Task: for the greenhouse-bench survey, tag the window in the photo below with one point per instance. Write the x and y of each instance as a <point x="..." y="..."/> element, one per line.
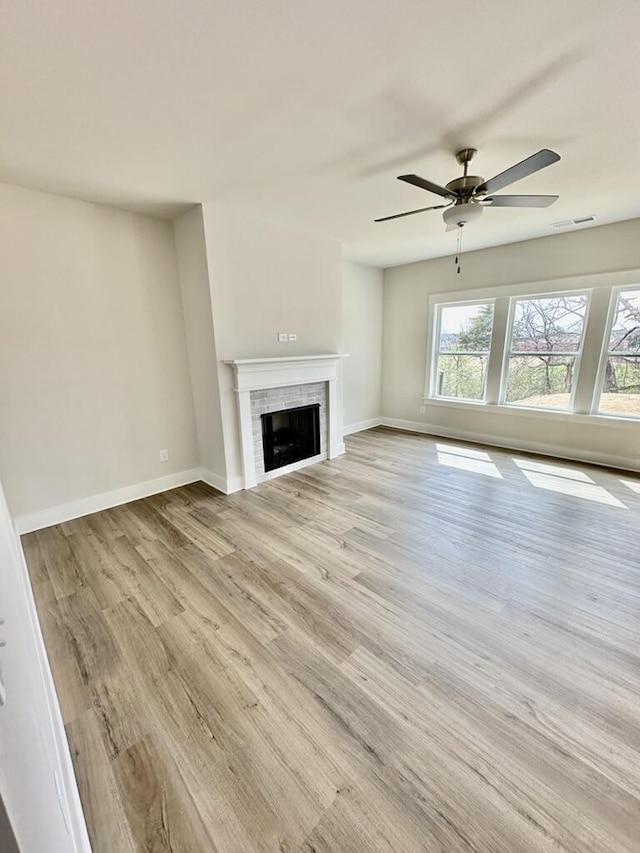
<point x="620" y="388"/>
<point x="517" y="349"/>
<point x="544" y="348"/>
<point x="463" y="339"/>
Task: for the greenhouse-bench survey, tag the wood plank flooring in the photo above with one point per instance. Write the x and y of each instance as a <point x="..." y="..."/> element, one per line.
<point x="420" y="646"/>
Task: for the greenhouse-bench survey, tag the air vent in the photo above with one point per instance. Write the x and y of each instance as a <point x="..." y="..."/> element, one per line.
<point x="567" y="223"/>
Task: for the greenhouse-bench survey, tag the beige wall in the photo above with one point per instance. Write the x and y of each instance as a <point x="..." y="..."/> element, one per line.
<point x="266" y="278"/>
<point x="407" y="289"/>
<point x="96" y="372"/>
<point x="362" y="302"/>
<point x="191" y="254"/>
<point x="94" y="376"/>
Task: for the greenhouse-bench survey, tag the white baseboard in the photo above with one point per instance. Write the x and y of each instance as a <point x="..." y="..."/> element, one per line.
<point x="106" y="500"/>
<point x="96" y="503"/>
<point x="234" y="484"/>
<point x="544" y="449"/>
<point x="222" y="484"/>
<point x="361" y="425"/>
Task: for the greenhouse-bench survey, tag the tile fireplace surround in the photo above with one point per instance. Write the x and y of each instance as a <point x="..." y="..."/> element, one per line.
<point x="286" y="380"/>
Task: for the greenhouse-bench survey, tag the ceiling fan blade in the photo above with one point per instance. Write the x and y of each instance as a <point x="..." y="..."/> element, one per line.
<point x="532" y="164"/>
<point x="519" y="200"/>
<point x="410" y="212"/>
<point x="417" y="181"/>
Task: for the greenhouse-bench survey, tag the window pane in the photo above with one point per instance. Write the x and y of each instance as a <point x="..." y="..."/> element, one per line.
<point x="461" y="376"/>
<point x="621" y="387"/>
<point x="541" y="380"/>
<point x="625" y="331"/>
<point x="466" y="328"/>
<point x="550" y="324"/>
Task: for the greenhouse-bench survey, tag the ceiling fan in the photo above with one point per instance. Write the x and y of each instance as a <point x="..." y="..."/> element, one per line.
<point x="469" y="194"/>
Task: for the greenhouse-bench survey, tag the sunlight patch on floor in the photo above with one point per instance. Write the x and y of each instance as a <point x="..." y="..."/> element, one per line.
<point x="468" y="463"/>
<point x="458" y="450"/>
<point x="554" y="470"/>
<point x="562" y="479"/>
<point x="573" y="487"/>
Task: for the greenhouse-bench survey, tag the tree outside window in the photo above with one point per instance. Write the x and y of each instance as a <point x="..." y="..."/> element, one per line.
<point x="621" y="378"/>
<point x="463" y="342"/>
<point x="546" y="338"/>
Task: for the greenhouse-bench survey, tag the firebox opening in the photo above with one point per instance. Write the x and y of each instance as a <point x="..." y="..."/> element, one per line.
<point x="290" y="435"/>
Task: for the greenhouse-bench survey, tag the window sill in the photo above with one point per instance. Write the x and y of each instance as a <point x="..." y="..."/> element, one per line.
<point x="529" y="412"/>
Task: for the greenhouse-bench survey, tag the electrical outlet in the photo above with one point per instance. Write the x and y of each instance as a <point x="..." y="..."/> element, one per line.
<point x="293" y="337"/>
<point x="164" y="455"/>
<point x="282" y="337"/>
<point x="422" y="410"/>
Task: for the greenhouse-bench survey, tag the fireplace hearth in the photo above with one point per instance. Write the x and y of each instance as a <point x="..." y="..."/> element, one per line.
<point x="290" y="435"/>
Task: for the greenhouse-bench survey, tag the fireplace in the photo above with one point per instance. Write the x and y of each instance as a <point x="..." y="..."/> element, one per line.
<point x="269" y="385"/>
<point x="290" y="435"/>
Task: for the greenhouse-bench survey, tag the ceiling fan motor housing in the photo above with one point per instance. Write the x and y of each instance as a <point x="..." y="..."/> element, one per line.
<point x="465" y="185"/>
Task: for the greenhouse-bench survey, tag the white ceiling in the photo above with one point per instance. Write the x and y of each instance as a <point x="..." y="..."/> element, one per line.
<point x="305" y="111"/>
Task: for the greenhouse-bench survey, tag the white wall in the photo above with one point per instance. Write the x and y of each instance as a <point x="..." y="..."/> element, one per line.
<point x="266" y="278"/>
<point x="191" y="254"/>
<point x="407" y="289"/>
<point x="362" y="303"/>
<point x="94" y="375"/>
<point x="37" y="784"/>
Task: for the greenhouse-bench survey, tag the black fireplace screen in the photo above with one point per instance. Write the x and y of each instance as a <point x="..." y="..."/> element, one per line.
<point x="290" y="435"/>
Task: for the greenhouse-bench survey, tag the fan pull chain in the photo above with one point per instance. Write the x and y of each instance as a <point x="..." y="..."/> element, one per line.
<point x="458" y="248"/>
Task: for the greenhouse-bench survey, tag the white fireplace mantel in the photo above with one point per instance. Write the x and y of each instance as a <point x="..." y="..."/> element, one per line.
<point x="255" y="374"/>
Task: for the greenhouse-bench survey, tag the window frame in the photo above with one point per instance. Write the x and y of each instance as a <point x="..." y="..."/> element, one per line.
<point x="606" y="352"/>
<point x="508" y="353"/>
<point x="435" y="353"/>
<point x="600" y="284"/>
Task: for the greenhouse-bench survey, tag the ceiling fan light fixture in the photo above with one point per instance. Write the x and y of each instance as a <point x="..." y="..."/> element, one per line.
<point x="462" y="214"/>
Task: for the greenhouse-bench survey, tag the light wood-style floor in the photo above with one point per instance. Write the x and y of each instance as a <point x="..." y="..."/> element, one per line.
<point x="420" y="646"/>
